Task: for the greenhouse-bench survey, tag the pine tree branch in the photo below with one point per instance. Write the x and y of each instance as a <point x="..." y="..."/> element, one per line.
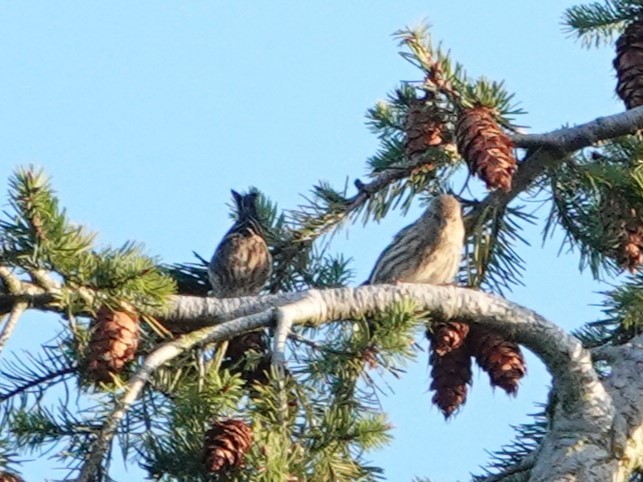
<point x="550" y="149"/>
<point x="570" y="139"/>
<point x="320" y="306"/>
<point x="154" y="360"/>
<point x="617" y="454"/>
<point x="45" y="378"/>
<point x="581" y="393"/>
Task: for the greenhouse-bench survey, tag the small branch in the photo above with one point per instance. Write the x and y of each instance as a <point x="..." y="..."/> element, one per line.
<point x="154" y="360"/>
<point x="317" y="346"/>
<point x="287" y="315"/>
<point x="290" y="248"/>
<point x="39" y="300"/>
<point x="10" y="324"/>
<point x="584" y="135"/>
<point x="37" y="381"/>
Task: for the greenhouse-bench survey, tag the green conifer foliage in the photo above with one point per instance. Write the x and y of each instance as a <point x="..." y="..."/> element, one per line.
<point x="316" y="417"/>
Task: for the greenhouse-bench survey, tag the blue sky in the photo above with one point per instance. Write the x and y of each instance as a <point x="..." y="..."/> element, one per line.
<point x="147" y="113"/>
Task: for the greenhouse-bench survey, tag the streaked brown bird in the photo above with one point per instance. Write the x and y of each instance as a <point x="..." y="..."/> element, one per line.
<point x="241" y="264"/>
<point x="427" y="251"/>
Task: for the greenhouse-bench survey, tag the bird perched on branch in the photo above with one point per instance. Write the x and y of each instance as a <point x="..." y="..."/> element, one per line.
<point x="241" y="264"/>
<point x="427" y="251"/>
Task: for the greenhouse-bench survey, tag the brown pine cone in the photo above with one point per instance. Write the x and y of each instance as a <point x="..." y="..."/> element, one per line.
<point x="241" y="264"/>
<point x="10" y="477"/>
<point x="618" y="220"/>
<point x="451" y="373"/>
<point x="226" y="444"/>
<point x="113" y="343"/>
<point x="500" y="358"/>
<point x="631" y="249"/>
<point x="629" y="65"/>
<point x="424" y="128"/>
<point x="427" y="251"/>
<point x="487" y="150"/>
<point x="236" y="361"/>
<point x="238" y="346"/>
<point x="446" y="336"/>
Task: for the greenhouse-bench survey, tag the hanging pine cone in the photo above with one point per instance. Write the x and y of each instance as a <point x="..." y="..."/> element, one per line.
<point x="451" y="373"/>
<point x="618" y="221"/>
<point x="487" y="150"/>
<point x="239" y="347"/>
<point x="629" y="65"/>
<point x="112" y="345"/>
<point x="424" y="128"/>
<point x="446" y="336"/>
<point x="9" y="477"/>
<point x="226" y="444"/>
<point x="631" y="248"/>
<point x="500" y="358"/>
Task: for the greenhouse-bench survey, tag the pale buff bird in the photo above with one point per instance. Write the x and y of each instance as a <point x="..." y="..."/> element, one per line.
<point x="241" y="264"/>
<point x="427" y="251"/>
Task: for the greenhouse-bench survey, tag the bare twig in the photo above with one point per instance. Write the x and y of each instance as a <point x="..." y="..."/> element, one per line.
<point x="317" y="346"/>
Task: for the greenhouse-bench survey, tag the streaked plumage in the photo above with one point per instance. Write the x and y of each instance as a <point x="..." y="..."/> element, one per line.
<point x="241" y="264"/>
<point x="427" y="251"/>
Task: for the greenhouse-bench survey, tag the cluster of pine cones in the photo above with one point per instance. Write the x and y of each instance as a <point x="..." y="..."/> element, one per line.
<point x="452" y="346"/>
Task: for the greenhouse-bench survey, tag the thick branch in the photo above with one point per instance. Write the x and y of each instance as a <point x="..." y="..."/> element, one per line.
<point x="585" y="408"/>
<point x="584" y="135"/>
<point x="564" y="356"/>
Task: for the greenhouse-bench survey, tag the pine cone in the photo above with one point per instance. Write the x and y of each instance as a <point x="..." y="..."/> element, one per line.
<point x="487" y="150"/>
<point x="241" y="264"/>
<point x="622" y="222"/>
<point x="451" y="374"/>
<point x="235" y="357"/>
<point x="424" y="128"/>
<point x="500" y="358"/>
<point x="239" y="345"/>
<point x="631" y="249"/>
<point x="9" y="477"/>
<point x="112" y="345"/>
<point x="427" y="251"/>
<point x="226" y="444"/>
<point x="629" y="65"/>
<point x="446" y="336"/>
